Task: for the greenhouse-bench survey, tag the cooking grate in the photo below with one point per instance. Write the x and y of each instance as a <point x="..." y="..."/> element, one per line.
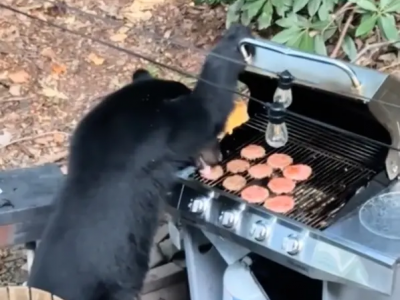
<point x="340" y="166"/>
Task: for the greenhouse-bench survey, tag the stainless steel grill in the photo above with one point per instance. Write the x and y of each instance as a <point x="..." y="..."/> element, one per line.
<point x="322" y="237"/>
<point x="340" y="166"/>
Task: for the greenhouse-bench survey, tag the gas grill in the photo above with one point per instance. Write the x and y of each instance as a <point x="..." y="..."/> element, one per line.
<point x="344" y="123"/>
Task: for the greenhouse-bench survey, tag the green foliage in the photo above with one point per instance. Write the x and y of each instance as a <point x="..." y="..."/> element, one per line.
<point x="310" y="24"/>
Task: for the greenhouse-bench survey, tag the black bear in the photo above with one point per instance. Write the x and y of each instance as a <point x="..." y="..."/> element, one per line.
<point x="123" y="157"/>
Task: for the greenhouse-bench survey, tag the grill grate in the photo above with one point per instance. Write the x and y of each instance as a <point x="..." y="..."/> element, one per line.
<point x="340" y="166"/>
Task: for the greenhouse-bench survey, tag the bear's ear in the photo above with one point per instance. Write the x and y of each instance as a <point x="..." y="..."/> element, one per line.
<point x="141" y="74"/>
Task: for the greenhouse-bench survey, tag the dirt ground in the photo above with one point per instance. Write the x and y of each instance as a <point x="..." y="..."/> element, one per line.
<point x="49" y="78"/>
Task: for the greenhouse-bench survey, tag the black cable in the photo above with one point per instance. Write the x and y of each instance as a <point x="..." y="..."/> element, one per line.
<point x="136" y="54"/>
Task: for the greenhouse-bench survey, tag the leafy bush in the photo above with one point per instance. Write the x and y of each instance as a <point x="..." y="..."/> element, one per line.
<point x="309" y="24"/>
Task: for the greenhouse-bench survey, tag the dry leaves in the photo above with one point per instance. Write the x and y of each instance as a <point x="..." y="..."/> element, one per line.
<point x="59" y="138"/>
<point x="53" y="93"/>
<point x="95" y="59"/>
<point x="140" y="10"/>
<point x="19" y="76"/>
<point x="119" y="37"/>
<point x="15" y="90"/>
<point x="5" y="137"/>
<point x="44" y="140"/>
<point x="48" y="52"/>
<point x="58" y="69"/>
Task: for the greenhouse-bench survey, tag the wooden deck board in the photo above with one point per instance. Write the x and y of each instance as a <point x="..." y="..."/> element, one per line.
<point x="24" y="293"/>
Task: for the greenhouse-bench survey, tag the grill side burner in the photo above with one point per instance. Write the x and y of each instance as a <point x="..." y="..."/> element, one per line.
<point x="340" y="166"/>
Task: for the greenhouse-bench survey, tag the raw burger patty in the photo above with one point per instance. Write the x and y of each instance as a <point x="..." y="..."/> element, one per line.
<point x="212" y="173"/>
<point x="234" y="183"/>
<point x="297" y="172"/>
<point x="254" y="194"/>
<point x="260" y="171"/>
<point x="252" y="152"/>
<point x="279" y="161"/>
<point x="280" y="204"/>
<point x="237" y="166"/>
<point x="281" y="185"/>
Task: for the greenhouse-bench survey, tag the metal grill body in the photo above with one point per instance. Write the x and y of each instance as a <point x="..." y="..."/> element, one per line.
<point x="348" y="137"/>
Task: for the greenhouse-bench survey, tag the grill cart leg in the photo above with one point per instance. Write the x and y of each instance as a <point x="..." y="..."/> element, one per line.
<point x="30" y="249"/>
<point x="222" y="272"/>
<point x="30" y="254"/>
<point x="205" y="271"/>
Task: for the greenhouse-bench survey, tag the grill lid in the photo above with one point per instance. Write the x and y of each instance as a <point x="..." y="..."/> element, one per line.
<point x="378" y="90"/>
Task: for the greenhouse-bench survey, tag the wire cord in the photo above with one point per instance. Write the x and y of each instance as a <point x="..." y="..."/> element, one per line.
<point x="174" y="69"/>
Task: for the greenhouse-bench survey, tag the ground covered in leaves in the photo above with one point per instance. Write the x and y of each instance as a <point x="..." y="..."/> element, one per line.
<point x="50" y="77"/>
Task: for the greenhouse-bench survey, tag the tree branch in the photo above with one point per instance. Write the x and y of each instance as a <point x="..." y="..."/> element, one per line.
<point x="343" y="34"/>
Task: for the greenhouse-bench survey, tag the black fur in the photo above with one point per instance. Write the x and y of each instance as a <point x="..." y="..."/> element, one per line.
<point x="123" y="157"/>
<point x="210" y="154"/>
<point x="141" y="74"/>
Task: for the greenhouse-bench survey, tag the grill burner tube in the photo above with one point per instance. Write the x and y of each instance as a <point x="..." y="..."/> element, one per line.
<point x="341" y="165"/>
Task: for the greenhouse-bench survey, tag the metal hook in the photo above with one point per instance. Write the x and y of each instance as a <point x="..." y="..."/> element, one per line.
<point x="247" y="56"/>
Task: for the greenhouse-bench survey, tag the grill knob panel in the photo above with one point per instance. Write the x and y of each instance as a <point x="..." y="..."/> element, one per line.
<point x="259" y="231"/>
<point x="228" y="219"/>
<point x="291" y="244"/>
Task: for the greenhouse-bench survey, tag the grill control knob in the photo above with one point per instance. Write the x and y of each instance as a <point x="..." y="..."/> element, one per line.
<point x="197" y="205"/>
<point x="291" y="244"/>
<point x="259" y="231"/>
<point x="228" y="219"/>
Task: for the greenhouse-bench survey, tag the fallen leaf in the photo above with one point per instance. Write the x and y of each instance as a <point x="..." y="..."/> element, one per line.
<point x="15" y="90"/>
<point x="58" y="69"/>
<point x="48" y="52"/>
<point x="387" y="57"/>
<point x="53" y="93"/>
<point x="124" y="29"/>
<point x="59" y="138"/>
<point x="167" y="34"/>
<point x="70" y="20"/>
<point x="119" y="37"/>
<point x="43" y="140"/>
<point x="94" y="58"/>
<point x="5" y="137"/>
<point x="19" y="76"/>
<point x="3" y="75"/>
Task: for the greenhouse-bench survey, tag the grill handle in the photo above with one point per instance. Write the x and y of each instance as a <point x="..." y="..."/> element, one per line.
<point x="284" y="50"/>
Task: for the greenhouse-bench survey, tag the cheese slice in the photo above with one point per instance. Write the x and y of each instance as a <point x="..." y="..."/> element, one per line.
<point x="237" y="117"/>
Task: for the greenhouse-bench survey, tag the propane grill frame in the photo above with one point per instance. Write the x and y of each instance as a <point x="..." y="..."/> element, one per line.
<point x="345" y="252"/>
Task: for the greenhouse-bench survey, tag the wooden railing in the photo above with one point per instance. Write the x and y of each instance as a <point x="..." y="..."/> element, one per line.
<point x="25" y="293"/>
